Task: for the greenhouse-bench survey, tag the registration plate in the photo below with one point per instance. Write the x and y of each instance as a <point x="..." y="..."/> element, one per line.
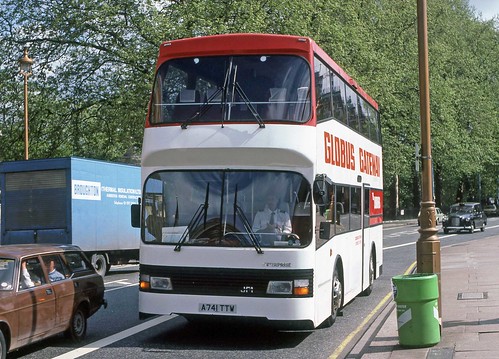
<point x="217" y="308"/>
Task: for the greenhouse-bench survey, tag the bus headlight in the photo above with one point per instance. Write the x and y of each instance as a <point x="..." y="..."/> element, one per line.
<point x="298" y="287"/>
<point x="159" y="283"/>
<point x="280" y="287"/>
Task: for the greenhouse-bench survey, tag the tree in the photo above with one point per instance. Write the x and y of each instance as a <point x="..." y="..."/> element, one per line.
<point x="94" y="66"/>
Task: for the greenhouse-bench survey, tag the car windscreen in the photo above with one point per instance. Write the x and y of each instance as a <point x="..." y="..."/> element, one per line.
<point x="461" y="209"/>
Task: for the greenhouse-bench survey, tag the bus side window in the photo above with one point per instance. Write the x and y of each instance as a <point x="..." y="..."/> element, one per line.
<point x="339" y="94"/>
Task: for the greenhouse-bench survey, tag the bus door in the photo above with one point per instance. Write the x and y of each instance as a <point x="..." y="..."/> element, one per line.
<point x="366" y="240"/>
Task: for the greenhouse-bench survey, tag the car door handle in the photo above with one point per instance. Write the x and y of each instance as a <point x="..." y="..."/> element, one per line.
<point x="49" y="291"/>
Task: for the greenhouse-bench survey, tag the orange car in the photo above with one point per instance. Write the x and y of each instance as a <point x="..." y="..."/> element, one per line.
<point x="45" y="290"/>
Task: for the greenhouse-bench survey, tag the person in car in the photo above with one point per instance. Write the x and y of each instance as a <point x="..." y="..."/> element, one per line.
<point x="54" y="275"/>
<point x="25" y="281"/>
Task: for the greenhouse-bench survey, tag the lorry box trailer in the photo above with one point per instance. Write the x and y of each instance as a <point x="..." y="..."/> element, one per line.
<point x="72" y="200"/>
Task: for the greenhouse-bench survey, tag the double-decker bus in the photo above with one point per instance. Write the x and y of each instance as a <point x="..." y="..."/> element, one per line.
<point x="262" y="183"/>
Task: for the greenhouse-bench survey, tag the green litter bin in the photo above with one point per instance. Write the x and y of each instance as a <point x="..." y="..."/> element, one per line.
<point x="418" y="321"/>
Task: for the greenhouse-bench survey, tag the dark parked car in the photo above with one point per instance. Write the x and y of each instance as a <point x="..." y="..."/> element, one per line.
<point x="45" y="290"/>
<point x="465" y="216"/>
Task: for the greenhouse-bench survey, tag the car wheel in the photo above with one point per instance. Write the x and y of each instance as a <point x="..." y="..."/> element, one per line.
<point x="482" y="228"/>
<point x="472" y="229"/>
<point x="3" y="346"/>
<point x="78" y="326"/>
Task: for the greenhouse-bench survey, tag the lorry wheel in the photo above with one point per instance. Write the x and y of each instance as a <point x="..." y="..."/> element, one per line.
<point x="100" y="264"/>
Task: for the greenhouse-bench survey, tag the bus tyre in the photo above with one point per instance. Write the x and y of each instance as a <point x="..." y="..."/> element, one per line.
<point x="369" y="289"/>
<point x="100" y="264"/>
<point x="3" y="346"/>
<point x="78" y="325"/>
<point x="336" y="300"/>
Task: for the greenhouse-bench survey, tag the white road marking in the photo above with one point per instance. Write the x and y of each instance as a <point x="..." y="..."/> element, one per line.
<point x="114" y="338"/>
<point x="411" y="243"/>
<point x="125" y="286"/>
<point x="119" y="281"/>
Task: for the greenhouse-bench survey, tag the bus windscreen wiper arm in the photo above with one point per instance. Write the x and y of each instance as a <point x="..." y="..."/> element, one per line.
<point x="204" y="108"/>
<point x="246" y="224"/>
<point x="248" y="229"/>
<point x="201" y="211"/>
<point x="248" y="103"/>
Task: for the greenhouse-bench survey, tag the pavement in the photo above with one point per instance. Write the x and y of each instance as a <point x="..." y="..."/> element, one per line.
<point x="469" y="310"/>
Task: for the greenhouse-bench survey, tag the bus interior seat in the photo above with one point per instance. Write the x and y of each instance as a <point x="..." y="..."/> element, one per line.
<point x="187" y="95"/>
<point x="302" y="209"/>
<point x="210" y="93"/>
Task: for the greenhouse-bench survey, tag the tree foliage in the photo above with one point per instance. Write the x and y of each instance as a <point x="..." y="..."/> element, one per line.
<point x="94" y="65"/>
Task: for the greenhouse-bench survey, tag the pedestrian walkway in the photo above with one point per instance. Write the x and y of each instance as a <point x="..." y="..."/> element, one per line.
<point x="470" y="310"/>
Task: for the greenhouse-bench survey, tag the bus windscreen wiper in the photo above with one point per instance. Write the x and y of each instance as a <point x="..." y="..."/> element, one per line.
<point x="237" y="88"/>
<point x="204" y="108"/>
<point x="247" y="225"/>
<point x="248" y="103"/>
<point x="200" y="212"/>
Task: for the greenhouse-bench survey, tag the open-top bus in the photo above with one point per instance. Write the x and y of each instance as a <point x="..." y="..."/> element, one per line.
<point x="243" y="128"/>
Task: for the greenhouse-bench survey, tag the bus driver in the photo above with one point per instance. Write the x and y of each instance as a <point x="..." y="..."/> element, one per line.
<point x="272" y="219"/>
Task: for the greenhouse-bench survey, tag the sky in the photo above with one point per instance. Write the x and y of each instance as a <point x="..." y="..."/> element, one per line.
<point x="488" y="8"/>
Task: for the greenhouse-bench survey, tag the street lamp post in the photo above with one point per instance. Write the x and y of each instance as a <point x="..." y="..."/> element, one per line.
<point x="25" y="64"/>
<point x="428" y="245"/>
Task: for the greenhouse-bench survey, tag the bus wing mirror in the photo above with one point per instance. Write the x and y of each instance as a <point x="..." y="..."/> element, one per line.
<point x="320" y="191"/>
<point x="135" y="215"/>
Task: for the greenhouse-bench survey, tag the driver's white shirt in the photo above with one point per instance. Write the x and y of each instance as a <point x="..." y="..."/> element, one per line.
<point x="282" y="222"/>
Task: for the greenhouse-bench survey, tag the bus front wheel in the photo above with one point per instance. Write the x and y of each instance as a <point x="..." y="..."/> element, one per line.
<point x="336" y="299"/>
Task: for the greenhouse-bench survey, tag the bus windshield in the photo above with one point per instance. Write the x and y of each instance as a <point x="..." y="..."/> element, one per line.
<point x="232" y="88"/>
<point x="227" y="208"/>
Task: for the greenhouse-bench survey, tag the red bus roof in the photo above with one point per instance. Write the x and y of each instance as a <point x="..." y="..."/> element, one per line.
<point x="244" y="44"/>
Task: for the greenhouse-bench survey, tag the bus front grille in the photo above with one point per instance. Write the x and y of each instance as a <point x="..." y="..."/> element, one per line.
<point x="226" y="281"/>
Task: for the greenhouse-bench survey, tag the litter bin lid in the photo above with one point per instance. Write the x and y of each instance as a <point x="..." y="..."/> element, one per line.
<point x="415" y="287"/>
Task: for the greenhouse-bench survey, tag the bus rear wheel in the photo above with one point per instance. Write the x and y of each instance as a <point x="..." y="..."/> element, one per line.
<point x="369" y="289"/>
